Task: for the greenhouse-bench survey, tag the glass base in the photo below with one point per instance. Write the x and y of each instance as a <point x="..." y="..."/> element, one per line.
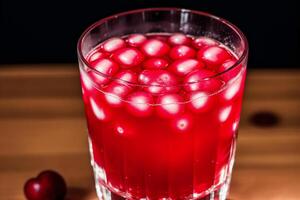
<point x="107" y="192"/>
<point x="218" y="194"/>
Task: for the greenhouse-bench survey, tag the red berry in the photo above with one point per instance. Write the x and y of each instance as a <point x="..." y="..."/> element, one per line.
<point x="136" y="40"/>
<point x="115" y="93"/>
<point x="200" y="101"/>
<point x="86" y="81"/>
<point x="155" y="48"/>
<point x="231" y="73"/>
<point x="201" y="42"/>
<point x="48" y="185"/>
<point x="128" y="57"/>
<point x="225" y="113"/>
<point x="213" y="56"/>
<point x="158" y="81"/>
<point x="234" y="87"/>
<point x="184" y="66"/>
<point x="106" y="67"/>
<point x="100" y="110"/>
<point x="126" y="77"/>
<point x="200" y="80"/>
<point x="170" y="105"/>
<point x="156" y="63"/>
<point x="113" y="44"/>
<point x="182" y="51"/>
<point x="96" y="55"/>
<point x="178" y="39"/>
<point x="139" y="104"/>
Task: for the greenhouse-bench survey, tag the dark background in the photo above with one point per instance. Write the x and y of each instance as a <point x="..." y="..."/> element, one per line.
<point x="47" y="31"/>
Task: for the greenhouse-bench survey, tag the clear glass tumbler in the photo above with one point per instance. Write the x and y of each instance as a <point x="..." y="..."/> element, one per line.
<point x="181" y="145"/>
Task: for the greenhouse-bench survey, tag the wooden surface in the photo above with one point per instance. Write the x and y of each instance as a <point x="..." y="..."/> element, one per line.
<point x="42" y="127"/>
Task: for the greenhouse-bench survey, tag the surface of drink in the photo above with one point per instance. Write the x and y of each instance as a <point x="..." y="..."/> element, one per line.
<point x="162" y="112"/>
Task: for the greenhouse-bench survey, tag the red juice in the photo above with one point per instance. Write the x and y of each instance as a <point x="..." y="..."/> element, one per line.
<point x="162" y="113"/>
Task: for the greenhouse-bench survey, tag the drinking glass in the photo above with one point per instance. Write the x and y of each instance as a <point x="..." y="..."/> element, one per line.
<point x="150" y="156"/>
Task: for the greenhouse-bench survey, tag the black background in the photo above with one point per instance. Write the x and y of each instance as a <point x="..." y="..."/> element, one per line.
<point x="47" y="31"/>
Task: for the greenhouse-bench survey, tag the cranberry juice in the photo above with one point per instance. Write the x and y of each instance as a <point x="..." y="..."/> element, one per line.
<point x="162" y="112"/>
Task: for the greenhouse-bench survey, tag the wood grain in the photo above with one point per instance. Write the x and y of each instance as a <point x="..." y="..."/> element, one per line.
<point x="41" y="109"/>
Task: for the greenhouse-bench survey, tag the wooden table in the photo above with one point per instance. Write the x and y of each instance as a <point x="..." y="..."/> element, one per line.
<point x="42" y="126"/>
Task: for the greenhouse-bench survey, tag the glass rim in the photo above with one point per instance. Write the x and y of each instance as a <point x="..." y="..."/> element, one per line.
<point x="224" y="21"/>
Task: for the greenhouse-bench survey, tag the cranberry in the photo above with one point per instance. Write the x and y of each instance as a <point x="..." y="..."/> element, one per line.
<point x="106" y="67"/>
<point x="224" y="113"/>
<point x="178" y="39"/>
<point x="155" y="48"/>
<point x="233" y="89"/>
<point x="158" y="81"/>
<point x="136" y="40"/>
<point x="213" y="56"/>
<point x="156" y="63"/>
<point x="201" y="42"/>
<point x="113" y="44"/>
<point x="170" y="105"/>
<point x="126" y="76"/>
<point x="200" y="101"/>
<point x="86" y="81"/>
<point x="230" y="74"/>
<point x="128" y="57"/>
<point x="48" y="185"/>
<point x="139" y="104"/>
<point x="200" y="80"/>
<point x="184" y="66"/>
<point x="96" y="55"/>
<point x="183" y="123"/>
<point x="101" y="111"/>
<point x="182" y="51"/>
<point x="115" y="93"/>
